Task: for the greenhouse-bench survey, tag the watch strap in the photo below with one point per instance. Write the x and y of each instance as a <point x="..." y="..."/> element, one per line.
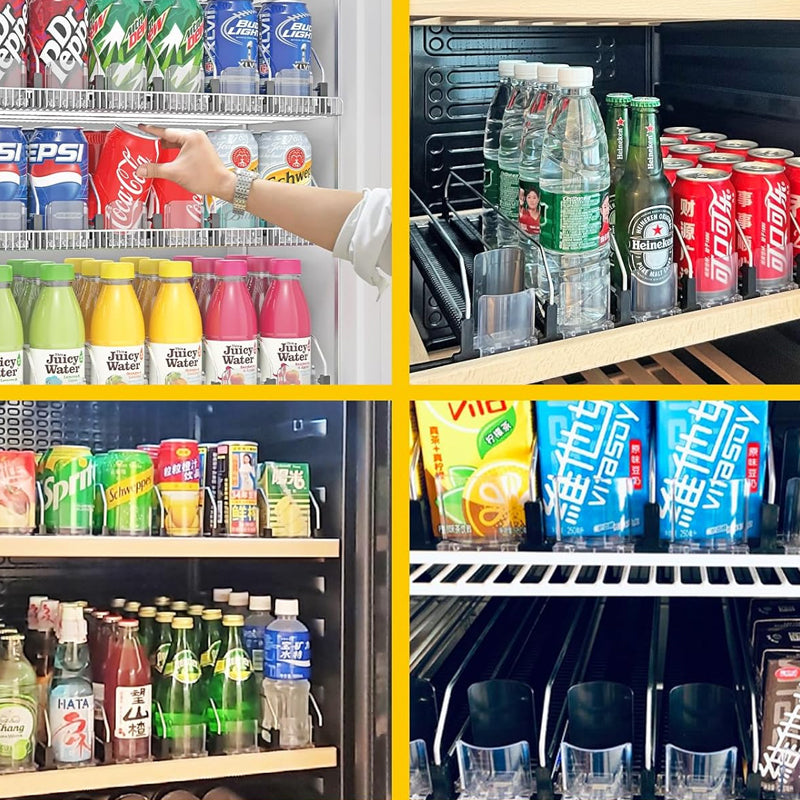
<point x="241" y="189"/>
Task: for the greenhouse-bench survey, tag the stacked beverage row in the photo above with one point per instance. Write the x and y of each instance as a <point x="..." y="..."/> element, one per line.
<point x="167" y="679"/>
<point x="69" y="179"/>
<point x="242" y="320"/>
<point x="170" y="45"/>
<point x="165" y="793"/>
<point x="178" y="487"/>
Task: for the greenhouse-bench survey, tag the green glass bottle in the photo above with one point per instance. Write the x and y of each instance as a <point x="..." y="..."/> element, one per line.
<point x="617" y="133"/>
<point x="196" y="613"/>
<point x="147" y="628"/>
<point x="211" y="641"/>
<point x="233" y="691"/>
<point x="18" y="705"/>
<point x="161" y="644"/>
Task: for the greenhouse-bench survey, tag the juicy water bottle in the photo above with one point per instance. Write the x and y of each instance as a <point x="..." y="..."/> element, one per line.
<point x="11" y="337"/>
<point x="574" y="204"/>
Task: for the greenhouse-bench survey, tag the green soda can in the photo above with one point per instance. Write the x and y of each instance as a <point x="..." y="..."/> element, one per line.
<point x="99" y="465"/>
<point x="118" y="44"/>
<point x="67" y="477"/>
<point x="127" y="480"/>
<point x="175" y="45"/>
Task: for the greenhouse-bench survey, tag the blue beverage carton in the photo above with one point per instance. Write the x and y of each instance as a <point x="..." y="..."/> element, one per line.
<point x="584" y="447"/>
<point x="701" y="447"/>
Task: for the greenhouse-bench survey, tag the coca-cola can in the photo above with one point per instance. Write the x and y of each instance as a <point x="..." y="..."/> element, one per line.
<point x="718" y="160"/>
<point x="740" y="146"/>
<point x="672" y="165"/>
<point x="772" y="155"/>
<point x="681" y="132"/>
<point x="691" y="152"/>
<point x="705" y="219"/>
<point x="762" y="213"/>
<point x="704" y="137"/>
<point x="178" y="208"/>
<point x="57" y="36"/>
<point x="666" y="142"/>
<point x="121" y="194"/>
<point x="793" y="176"/>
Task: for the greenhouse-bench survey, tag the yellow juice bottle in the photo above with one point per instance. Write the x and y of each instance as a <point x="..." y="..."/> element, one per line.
<point x="77" y="264"/>
<point x="147" y="287"/>
<point x="477" y="457"/>
<point x="89" y="286"/>
<point x="136" y="277"/>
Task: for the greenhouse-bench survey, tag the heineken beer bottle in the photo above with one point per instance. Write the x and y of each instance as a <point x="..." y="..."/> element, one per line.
<point x="644" y="225"/>
<point x="617" y="133"/>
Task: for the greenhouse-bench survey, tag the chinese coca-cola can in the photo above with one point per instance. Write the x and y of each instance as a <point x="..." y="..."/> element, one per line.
<point x="793" y="176"/>
<point x="740" y="146"/>
<point x="718" y="160"/>
<point x="704" y="137"/>
<point x="680" y="132"/>
<point x="762" y="212"/>
<point x="121" y="194"/>
<point x="57" y="36"/>
<point x="178" y="208"/>
<point x="772" y="155"/>
<point x="672" y="165"/>
<point x="705" y="218"/>
<point x="666" y="142"/>
<point x="691" y="152"/>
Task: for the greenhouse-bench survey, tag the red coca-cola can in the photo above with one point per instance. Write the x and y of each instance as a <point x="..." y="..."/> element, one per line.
<point x="691" y="152"/>
<point x="121" y="194"/>
<point x="672" y="165"/>
<point x="178" y="464"/>
<point x="772" y="155"/>
<point x="762" y="211"/>
<point x="666" y="142"/>
<point x="793" y="176"/>
<point x="711" y="139"/>
<point x="740" y="146"/>
<point x="723" y="161"/>
<point x="680" y="132"/>
<point x="704" y="217"/>
<point x="57" y="39"/>
<point x="178" y="208"/>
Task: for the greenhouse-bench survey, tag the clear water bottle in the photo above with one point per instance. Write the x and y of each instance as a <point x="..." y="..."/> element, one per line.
<point x="255" y="626"/>
<point x="287" y="670"/>
<point x="574" y="205"/>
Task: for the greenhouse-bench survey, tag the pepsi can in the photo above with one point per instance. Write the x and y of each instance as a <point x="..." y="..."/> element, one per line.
<point x="58" y="176"/>
<point x="285" y="40"/>
<point x="231" y="35"/>
<point x="13" y="178"/>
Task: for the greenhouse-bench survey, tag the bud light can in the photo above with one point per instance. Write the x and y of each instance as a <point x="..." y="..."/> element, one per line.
<point x="237" y="149"/>
<point x="285" y="46"/>
<point x="13" y="179"/>
<point x="231" y="35"/>
<point x="58" y="177"/>
<point x="13" y="30"/>
<point x="57" y="35"/>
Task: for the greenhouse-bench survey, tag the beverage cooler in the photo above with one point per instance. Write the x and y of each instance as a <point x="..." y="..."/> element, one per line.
<point x="335" y="567"/>
<point x="472" y="316"/>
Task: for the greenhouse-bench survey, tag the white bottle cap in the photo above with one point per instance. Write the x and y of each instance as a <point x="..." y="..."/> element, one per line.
<point x="506" y="67"/>
<point x="287" y="608"/>
<point x="576" y="77"/>
<point x="34" y="604"/>
<point x="526" y="70"/>
<point x="261" y="602"/>
<point x="48" y="615"/>
<point x="548" y="73"/>
<point x="222" y="595"/>
<point x="73" y="624"/>
<point x="238" y="599"/>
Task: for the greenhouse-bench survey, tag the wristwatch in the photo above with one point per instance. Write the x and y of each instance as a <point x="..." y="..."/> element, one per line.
<point x="241" y="189"/>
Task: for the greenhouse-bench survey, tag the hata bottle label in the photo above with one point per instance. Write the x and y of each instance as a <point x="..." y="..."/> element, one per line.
<point x="176" y="364"/>
<point x="57" y="367"/>
<point x="72" y="723"/>
<point x="650" y="245"/>
<point x="285" y="361"/>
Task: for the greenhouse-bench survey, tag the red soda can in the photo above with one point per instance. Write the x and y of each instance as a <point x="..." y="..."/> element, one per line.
<point x="711" y="139"/>
<point x="178" y="464"/>
<point x="692" y="152"/>
<point x="762" y="211"/>
<point x="17" y="491"/>
<point x="13" y="55"/>
<point x="793" y="176"/>
<point x="772" y="155"/>
<point x="723" y="161"/>
<point x="57" y="35"/>
<point x="681" y="132"/>
<point x="178" y="208"/>
<point x="151" y="450"/>
<point x="672" y="165"/>
<point x="666" y="142"/>
<point x="121" y="194"/>
<point x="740" y="146"/>
<point x="95" y="140"/>
<point x="704" y="216"/>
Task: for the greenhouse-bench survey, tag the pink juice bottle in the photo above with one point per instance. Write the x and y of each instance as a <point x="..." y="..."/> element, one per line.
<point x="106" y="636"/>
<point x="203" y="282"/>
<point x="258" y="279"/>
<point x="285" y="352"/>
<point x="231" y="328"/>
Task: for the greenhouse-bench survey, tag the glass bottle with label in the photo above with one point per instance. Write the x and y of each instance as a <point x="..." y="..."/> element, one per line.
<point x="196" y="613"/>
<point x="40" y="649"/>
<point x="18" y="701"/>
<point x="147" y="628"/>
<point x="161" y="644"/>
<point x="618" y="135"/>
<point x="644" y="217"/>
<point x="211" y="641"/>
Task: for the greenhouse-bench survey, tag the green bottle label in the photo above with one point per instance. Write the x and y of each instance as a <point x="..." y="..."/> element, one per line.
<point x="236" y="665"/>
<point x="574" y="223"/>
<point x="491" y="180"/>
<point x="209" y="657"/>
<point x="17" y="728"/>
<point x="529" y="194"/>
<point x="162" y="651"/>
<point x="650" y="245"/>
<point x="186" y="667"/>
<point x="509" y="194"/>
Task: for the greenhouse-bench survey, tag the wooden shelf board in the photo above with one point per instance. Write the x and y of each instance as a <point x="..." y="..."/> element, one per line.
<point x="164" y="547"/>
<point x="36" y="784"/>
<point x="581" y="353"/>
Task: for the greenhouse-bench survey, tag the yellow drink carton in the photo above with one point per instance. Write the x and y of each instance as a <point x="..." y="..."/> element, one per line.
<point x="477" y="456"/>
<point x="416" y="476"/>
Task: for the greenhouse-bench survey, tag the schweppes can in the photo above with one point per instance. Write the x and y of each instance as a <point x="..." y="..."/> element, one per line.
<point x="127" y="480"/>
<point x="284" y="156"/>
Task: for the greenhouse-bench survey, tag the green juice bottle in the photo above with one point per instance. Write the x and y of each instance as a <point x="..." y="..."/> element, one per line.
<point x="11" y="339"/>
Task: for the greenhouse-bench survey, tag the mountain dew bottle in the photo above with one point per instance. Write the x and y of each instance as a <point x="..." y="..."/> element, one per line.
<point x="118" y="44"/>
<point x="175" y="44"/>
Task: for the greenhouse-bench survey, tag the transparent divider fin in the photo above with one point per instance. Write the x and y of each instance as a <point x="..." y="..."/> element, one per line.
<point x="500" y="773"/>
<point x="420" y="783"/>
<point x="700" y="776"/>
<point x="596" y="774"/>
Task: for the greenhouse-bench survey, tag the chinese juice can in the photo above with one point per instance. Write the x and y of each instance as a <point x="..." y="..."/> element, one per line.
<point x="237" y="489"/>
<point x="178" y="481"/>
<point x="17" y="491"/>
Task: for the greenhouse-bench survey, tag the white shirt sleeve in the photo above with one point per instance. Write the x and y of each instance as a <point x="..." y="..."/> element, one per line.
<point x="365" y="239"/>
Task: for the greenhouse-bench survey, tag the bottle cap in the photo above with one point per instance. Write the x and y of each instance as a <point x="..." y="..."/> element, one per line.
<point x="48" y="615"/>
<point x="619" y="99"/>
<point x="133" y="605"/>
<point x="259" y="264"/>
<point x="84" y="604"/>
<point x="112" y="619"/>
<point x="13" y="637"/>
<point x="162" y="600"/>
<point x="287" y="608"/>
<point x="210" y="614"/>
<point x="16" y="263"/>
<point x="91" y="268"/>
<point x="576" y="77"/>
<point x="73" y="624"/>
<point x="230" y="268"/>
<point x="286" y="266"/>
<point x="505" y="67"/>
<point x="111" y="271"/>
<point x="527" y="70"/>
<point x="233" y="620"/>
<point x="148" y="266"/>
<point x="239" y="599"/>
<point x="204" y="266"/>
<point x="99" y="615"/>
<point x="57" y="272"/>
<point x="196" y="610"/>
<point x="147" y="612"/>
<point x="77" y="263"/>
<point x="221" y="595"/>
<point x="645" y="102"/>
<point x="131" y="260"/>
<point x="182" y="623"/>
<point x="118" y="602"/>
<point x="548" y="73"/>
<point x="165" y="616"/>
<point x="129" y="623"/>
<point x="6" y="273"/>
<point x="190" y="259"/>
<point x="261" y="602"/>
<point x="174" y="269"/>
<point x="179" y="605"/>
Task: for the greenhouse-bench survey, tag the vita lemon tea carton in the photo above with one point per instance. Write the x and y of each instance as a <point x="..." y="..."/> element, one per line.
<point x="477" y="458"/>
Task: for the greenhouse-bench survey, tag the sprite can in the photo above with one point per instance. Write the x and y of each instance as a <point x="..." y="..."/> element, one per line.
<point x="118" y="44"/>
<point x="175" y="45"/>
<point x="127" y="480"/>
<point x="67" y="477"/>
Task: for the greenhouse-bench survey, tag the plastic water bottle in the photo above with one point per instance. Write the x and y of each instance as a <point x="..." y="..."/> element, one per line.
<point x="255" y="626"/>
<point x="574" y="203"/>
<point x="287" y="669"/>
